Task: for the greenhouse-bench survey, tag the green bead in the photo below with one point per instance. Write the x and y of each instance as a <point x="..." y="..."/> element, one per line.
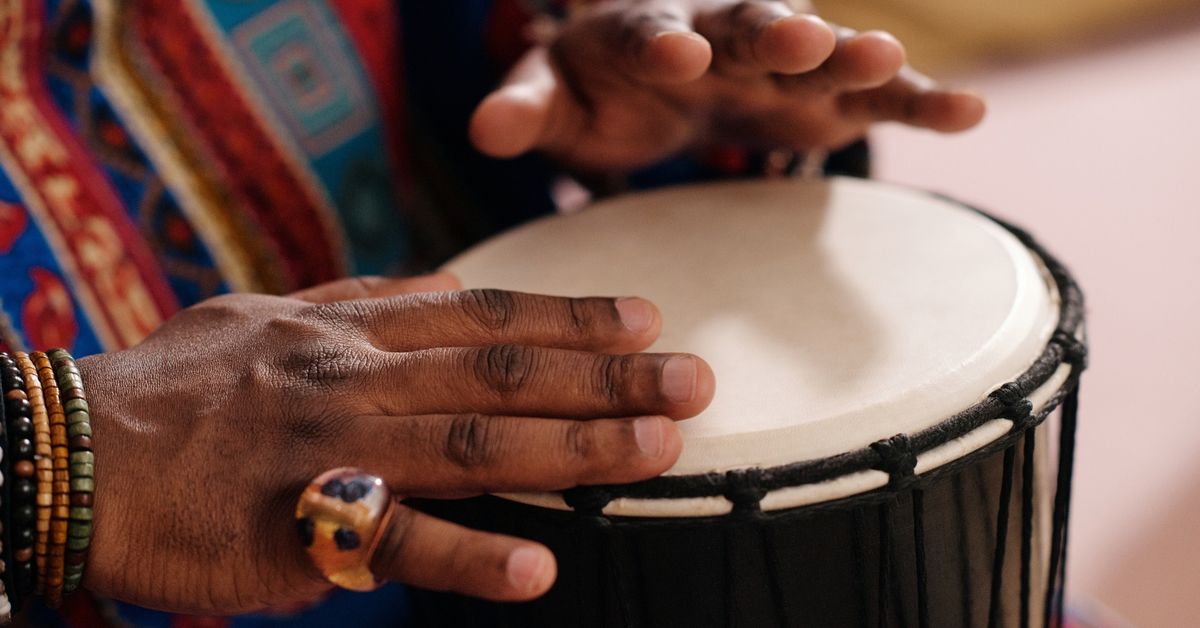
<point x="73" y="570"/>
<point x="83" y="457"/>
<point x="76" y="544"/>
<point x="79" y="530"/>
<point x="70" y="586"/>
<point x="79" y="429"/>
<point x="82" y="471"/>
<point x="83" y="485"/>
<point x="80" y="513"/>
<point x="75" y="405"/>
<point x="65" y="371"/>
<point x="78" y="416"/>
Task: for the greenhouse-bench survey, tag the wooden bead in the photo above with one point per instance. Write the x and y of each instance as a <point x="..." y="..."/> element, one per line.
<point x="72" y="393"/>
<point x="76" y="559"/>
<point x="81" y="499"/>
<point x="23" y="468"/>
<point x="80" y="443"/>
<point x="23" y="555"/>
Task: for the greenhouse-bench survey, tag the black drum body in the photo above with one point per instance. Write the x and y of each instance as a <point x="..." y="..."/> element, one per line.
<point x="924" y="556"/>
<point x="977" y="539"/>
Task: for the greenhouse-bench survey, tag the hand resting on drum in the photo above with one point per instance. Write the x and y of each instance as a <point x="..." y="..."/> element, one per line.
<point x="628" y="82"/>
<point x="210" y="428"/>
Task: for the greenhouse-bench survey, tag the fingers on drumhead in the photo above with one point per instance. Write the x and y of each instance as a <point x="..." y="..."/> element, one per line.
<point x="539" y="381"/>
<point x="430" y="553"/>
<point x="470" y="454"/>
<point x="485" y="316"/>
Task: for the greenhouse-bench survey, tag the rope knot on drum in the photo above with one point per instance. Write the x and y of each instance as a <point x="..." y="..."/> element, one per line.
<point x="1074" y="350"/>
<point x="744" y="489"/>
<point x="1017" y="408"/>
<point x="587" y="500"/>
<point x="896" y="458"/>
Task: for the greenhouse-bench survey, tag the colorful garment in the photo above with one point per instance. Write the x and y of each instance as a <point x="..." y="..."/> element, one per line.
<point x="155" y="153"/>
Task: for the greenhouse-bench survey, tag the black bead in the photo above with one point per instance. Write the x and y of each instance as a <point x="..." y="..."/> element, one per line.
<point x="24" y="490"/>
<point x="26" y="577"/>
<point x="24" y="513"/>
<point x="307" y="529"/>
<point x="21" y="428"/>
<point x="346" y="539"/>
<point x="22" y="449"/>
<point x="23" y="537"/>
<point x="17" y="407"/>
<point x="332" y="488"/>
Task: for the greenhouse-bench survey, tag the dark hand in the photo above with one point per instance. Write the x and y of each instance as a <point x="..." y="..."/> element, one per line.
<point x="206" y="433"/>
<point x="629" y="82"/>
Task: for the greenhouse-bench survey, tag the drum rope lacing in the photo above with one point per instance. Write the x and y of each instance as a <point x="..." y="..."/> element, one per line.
<point x="897" y="456"/>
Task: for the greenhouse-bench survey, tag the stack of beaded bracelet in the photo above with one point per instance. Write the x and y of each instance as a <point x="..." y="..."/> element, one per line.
<point x="5" y="543"/>
<point x="46" y="453"/>
<point x="21" y="489"/>
<point x="60" y="503"/>
<point x="82" y="461"/>
<point x="43" y="461"/>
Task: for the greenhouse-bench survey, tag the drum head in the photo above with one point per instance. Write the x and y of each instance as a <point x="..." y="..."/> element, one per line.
<point x="834" y="313"/>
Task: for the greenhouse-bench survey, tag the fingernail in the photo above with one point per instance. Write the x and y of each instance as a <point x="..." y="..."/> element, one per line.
<point x="679" y="379"/>
<point x="649" y="434"/>
<point x="636" y="314"/>
<point x="525" y="567"/>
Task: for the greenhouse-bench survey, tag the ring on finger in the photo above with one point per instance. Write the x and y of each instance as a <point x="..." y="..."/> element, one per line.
<point x="341" y="516"/>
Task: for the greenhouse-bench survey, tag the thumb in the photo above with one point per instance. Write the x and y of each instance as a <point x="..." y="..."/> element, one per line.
<point x="376" y="287"/>
<point x="516" y="117"/>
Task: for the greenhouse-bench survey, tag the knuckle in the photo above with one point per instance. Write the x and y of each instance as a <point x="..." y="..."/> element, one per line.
<point x="323" y="366"/>
<point x="470" y="441"/>
<point x="611" y="377"/>
<point x="580" y="440"/>
<point x="491" y="309"/>
<point x="337" y="314"/>
<point x="504" y="368"/>
<point x="585" y="316"/>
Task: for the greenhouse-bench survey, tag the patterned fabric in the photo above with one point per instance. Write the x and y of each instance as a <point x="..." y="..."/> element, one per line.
<point x="155" y="153"/>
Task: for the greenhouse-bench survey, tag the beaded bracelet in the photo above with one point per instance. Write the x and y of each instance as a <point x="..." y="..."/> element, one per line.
<point x="61" y="487"/>
<point x="5" y="542"/>
<point x="82" y="466"/>
<point x="43" y="464"/>
<point x="21" y="488"/>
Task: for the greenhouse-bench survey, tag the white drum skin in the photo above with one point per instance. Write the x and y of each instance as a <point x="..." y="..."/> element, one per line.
<point x="834" y="313"/>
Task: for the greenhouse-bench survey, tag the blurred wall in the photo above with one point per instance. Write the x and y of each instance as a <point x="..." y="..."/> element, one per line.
<point x="953" y="35"/>
<point x="1097" y="153"/>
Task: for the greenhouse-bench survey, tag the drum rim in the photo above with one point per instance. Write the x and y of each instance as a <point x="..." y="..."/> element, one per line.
<point x="895" y="455"/>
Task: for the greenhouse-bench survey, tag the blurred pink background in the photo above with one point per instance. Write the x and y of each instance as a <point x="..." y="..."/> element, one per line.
<point x="1097" y="152"/>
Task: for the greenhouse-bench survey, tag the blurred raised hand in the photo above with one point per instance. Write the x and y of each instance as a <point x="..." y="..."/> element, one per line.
<point x="626" y="83"/>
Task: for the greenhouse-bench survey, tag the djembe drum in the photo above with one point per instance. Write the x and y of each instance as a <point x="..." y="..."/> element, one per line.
<point x="876" y="453"/>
